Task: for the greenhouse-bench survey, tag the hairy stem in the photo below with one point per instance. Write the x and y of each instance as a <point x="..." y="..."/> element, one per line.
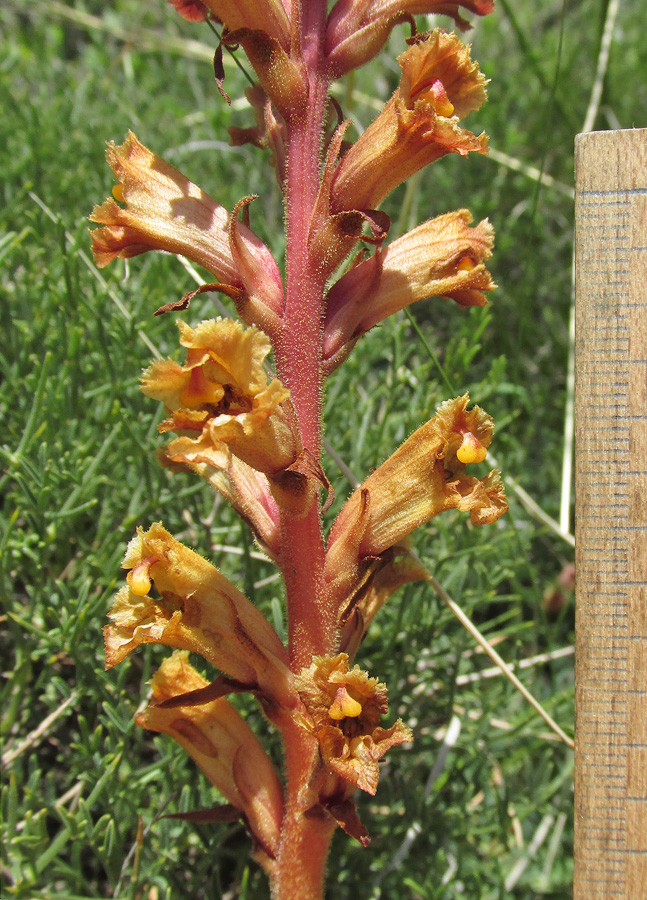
<point x="306" y="830"/>
<point x="298" y="347"/>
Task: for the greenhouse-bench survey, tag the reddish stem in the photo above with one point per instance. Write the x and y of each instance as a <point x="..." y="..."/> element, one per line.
<point x="299" y="348"/>
<point x="306" y="828"/>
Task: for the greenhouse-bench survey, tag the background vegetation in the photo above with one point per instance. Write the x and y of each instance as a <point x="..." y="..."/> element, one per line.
<point x="480" y="805"/>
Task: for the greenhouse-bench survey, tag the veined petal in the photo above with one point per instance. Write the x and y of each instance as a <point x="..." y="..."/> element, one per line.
<point x="265" y="15"/>
<point x="443" y="257"/>
<point x="358" y="29"/>
<point x="420" y="123"/>
<point x="222" y="398"/>
<point x="222" y="744"/>
<point x="424" y="477"/>
<point x="191" y="10"/>
<point x="198" y="610"/>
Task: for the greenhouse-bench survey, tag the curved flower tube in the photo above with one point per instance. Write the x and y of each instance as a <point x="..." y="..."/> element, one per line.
<point x="247" y="490"/>
<point x="222" y="744"/>
<point x="424" y="477"/>
<point x="165" y="211"/>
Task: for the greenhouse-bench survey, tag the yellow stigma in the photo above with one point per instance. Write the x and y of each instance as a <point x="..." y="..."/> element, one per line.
<point x="139" y="580"/>
<point x="471" y="450"/>
<point x="344" y="706"/>
<point x="444" y="107"/>
<point x="466" y="264"/>
<point x="118" y="193"/>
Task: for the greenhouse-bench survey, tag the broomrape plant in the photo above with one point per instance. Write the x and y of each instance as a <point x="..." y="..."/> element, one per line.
<point x="256" y="438"/>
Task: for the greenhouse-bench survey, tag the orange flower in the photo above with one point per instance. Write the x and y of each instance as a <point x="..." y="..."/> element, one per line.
<point x="440" y="85"/>
<point x="441" y="257"/>
<point x="343" y="709"/>
<point x="222" y="744"/>
<point x="196" y="609"/>
<point x="358" y="29"/>
<point x="424" y="477"/>
<point x="222" y="399"/>
<point x="165" y="211"/>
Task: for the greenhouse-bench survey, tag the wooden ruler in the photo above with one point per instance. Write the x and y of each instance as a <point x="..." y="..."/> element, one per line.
<point x="611" y="510"/>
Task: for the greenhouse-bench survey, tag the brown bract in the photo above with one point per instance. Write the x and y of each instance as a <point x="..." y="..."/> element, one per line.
<point x="222" y="744"/>
<point x="194" y="608"/>
<point x="420" y="123"/>
<point x="343" y="710"/>
<point x="442" y="257"/>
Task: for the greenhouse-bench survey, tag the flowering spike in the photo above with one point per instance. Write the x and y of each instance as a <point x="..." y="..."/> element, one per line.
<point x="257" y="439"/>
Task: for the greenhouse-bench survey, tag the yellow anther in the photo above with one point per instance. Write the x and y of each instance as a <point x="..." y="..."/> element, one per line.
<point x="118" y="193"/>
<point x="139" y="580"/>
<point x="466" y="264"/>
<point x="471" y="450"/>
<point x="344" y="706"/>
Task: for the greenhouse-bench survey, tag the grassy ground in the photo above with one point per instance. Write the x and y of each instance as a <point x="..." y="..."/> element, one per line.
<point x="485" y="786"/>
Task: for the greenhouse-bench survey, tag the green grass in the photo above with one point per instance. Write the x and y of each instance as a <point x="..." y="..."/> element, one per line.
<point x="78" y="472"/>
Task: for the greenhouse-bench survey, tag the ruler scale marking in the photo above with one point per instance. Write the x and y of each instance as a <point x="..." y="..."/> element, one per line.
<point x="611" y="516"/>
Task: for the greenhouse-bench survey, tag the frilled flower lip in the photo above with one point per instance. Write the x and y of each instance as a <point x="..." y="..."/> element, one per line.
<point x="437" y="68"/>
<point x="442" y="257"/>
<point x="222" y="399"/>
<point x="197" y="609"/>
<point x="440" y="85"/>
<point x="343" y="708"/>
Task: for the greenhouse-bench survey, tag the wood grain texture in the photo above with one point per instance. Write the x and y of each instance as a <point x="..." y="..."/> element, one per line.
<point x="611" y="516"/>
